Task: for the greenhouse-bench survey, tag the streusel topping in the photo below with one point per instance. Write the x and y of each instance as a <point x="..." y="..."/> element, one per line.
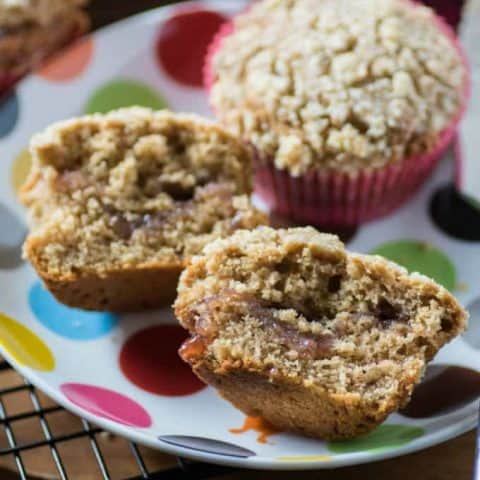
<point x="340" y="84"/>
<point x="15" y="13"/>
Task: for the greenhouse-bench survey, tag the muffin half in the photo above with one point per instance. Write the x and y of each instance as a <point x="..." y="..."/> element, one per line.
<point x="119" y="202"/>
<point x="289" y="326"/>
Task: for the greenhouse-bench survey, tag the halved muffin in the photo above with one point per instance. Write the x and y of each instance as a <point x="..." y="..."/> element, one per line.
<point x="289" y="326"/>
<point x="119" y="202"/>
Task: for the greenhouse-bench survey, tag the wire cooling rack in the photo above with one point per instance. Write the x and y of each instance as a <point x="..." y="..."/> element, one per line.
<point x="16" y="449"/>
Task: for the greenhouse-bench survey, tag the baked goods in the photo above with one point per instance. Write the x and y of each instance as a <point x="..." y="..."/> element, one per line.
<point x="31" y="30"/>
<point x="119" y="202"/>
<point x="341" y="100"/>
<point x="288" y="326"/>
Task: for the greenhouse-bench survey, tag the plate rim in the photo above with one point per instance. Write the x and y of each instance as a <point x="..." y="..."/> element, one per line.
<point x="255" y="462"/>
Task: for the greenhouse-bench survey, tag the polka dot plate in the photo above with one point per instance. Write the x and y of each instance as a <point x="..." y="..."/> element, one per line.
<point x="122" y="371"/>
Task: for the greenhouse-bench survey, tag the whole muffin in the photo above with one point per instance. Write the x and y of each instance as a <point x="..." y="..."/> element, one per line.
<point x="289" y="326"/>
<point x="118" y="203"/>
<point x="31" y="30"/>
<point x="348" y="104"/>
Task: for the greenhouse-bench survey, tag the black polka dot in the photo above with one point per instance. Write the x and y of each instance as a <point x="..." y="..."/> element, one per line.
<point x="454" y="215"/>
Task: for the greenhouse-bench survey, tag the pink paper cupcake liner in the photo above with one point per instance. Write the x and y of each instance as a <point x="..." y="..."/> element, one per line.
<point x="337" y="200"/>
<point x="225" y="30"/>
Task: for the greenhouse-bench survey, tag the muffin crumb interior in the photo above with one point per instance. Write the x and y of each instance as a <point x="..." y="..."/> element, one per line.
<point x="292" y="304"/>
<point x="134" y="187"/>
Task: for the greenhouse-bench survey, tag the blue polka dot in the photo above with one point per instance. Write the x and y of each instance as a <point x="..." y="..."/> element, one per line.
<point x="68" y="322"/>
<point x="9" y="109"/>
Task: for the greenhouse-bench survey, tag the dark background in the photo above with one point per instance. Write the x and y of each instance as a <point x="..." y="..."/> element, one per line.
<point x="107" y="11"/>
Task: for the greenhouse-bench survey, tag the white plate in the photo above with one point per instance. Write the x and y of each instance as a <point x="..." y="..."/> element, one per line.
<point x="103" y="367"/>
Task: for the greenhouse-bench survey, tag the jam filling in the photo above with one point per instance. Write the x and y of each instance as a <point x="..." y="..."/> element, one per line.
<point x="125" y="228"/>
<point x="192" y="348"/>
<point x="184" y="202"/>
<point x="308" y="345"/>
<point x="185" y="208"/>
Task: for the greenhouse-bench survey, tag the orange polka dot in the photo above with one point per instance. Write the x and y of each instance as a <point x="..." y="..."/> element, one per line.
<point x="70" y="63"/>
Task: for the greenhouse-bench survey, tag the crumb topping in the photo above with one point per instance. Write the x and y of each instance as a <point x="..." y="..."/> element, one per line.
<point x="338" y="84"/>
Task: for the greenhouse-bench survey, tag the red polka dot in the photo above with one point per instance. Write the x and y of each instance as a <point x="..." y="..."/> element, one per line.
<point x="69" y="64"/>
<point x="150" y="360"/>
<point x="106" y="403"/>
<point x="183" y="43"/>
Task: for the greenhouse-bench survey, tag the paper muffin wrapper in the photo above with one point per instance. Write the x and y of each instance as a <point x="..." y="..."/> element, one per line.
<point x="338" y="200"/>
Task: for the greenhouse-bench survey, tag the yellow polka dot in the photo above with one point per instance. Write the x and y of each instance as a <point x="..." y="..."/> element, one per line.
<point x="24" y="346"/>
<point x="311" y="458"/>
<point x="20" y="169"/>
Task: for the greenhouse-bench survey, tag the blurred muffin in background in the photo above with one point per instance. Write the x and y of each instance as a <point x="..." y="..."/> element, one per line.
<point x="31" y="30"/>
<point x="348" y="104"/>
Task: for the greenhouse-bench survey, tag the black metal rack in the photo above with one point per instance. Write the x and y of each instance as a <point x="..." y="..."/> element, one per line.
<point x="182" y="470"/>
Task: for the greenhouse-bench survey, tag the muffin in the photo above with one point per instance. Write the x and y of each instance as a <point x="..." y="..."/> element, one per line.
<point x="348" y="105"/>
<point x="289" y="326"/>
<point x="119" y="202"/>
<point x="31" y="30"/>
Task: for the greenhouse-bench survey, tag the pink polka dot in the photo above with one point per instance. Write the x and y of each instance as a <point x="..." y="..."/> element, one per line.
<point x="183" y="43"/>
<point x="70" y="63"/>
<point x="150" y="360"/>
<point x="108" y="404"/>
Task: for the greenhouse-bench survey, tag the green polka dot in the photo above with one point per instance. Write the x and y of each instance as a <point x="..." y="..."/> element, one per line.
<point x="384" y="437"/>
<point x="124" y="93"/>
<point x="421" y="257"/>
